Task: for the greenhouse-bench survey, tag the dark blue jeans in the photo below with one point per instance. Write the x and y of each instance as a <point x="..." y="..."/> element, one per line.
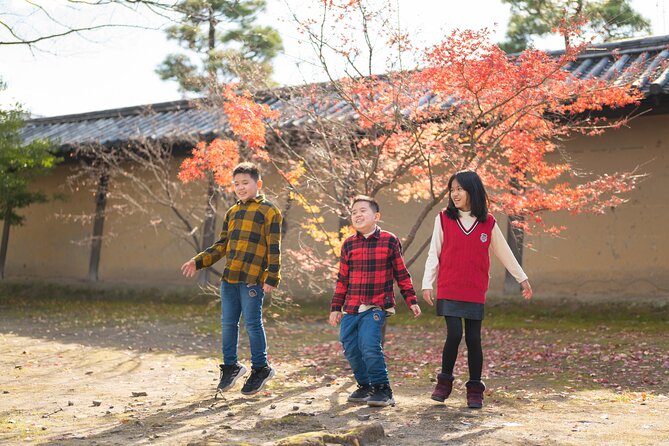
<point x="239" y="299"/>
<point x="360" y="335"/>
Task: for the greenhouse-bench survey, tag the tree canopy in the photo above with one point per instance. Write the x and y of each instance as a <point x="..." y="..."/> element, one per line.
<point x="610" y="19"/>
<point x="226" y="41"/>
<point x="19" y="163"/>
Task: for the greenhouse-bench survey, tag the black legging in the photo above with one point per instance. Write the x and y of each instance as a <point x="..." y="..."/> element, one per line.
<point x="474" y="350"/>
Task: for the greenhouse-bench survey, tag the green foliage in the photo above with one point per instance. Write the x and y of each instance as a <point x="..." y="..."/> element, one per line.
<point x="228" y="44"/>
<point x="613" y="19"/>
<point x="18" y="164"/>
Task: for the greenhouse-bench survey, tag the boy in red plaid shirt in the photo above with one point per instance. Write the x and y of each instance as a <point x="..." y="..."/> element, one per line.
<point x="370" y="261"/>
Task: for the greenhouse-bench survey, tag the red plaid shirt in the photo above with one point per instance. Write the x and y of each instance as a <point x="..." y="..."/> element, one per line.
<point x="367" y="268"/>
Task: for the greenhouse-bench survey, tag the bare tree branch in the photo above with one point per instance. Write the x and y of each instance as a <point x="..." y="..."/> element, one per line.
<point x="162" y="9"/>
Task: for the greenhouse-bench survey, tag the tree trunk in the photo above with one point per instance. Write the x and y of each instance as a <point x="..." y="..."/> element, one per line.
<point x="5" y="242"/>
<point x="411" y="236"/>
<point x="515" y="237"/>
<point x="209" y="228"/>
<point x="211" y="37"/>
<point x="284" y="214"/>
<point x="98" y="224"/>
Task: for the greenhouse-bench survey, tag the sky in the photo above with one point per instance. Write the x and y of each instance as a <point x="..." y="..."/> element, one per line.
<point x="115" y="67"/>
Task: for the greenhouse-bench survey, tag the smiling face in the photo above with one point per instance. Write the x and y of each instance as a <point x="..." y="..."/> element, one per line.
<point x="460" y="196"/>
<point x="246" y="188"/>
<point x="363" y="217"/>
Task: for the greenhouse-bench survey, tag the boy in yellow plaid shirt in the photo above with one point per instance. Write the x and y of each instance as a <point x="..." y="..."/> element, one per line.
<point x="251" y="242"/>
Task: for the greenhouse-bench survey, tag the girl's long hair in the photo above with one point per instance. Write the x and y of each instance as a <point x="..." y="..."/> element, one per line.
<point x="478" y="198"/>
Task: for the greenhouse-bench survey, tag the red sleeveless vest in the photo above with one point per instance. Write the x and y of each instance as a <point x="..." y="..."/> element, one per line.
<point x="464" y="261"/>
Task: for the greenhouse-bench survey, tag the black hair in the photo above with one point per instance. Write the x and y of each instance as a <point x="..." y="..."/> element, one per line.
<point x="478" y="198"/>
<point x="248" y="168"/>
<point x="374" y="205"/>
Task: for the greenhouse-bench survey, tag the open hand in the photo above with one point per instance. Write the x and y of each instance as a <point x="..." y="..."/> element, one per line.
<point x="335" y="317"/>
<point x="427" y="295"/>
<point x="188" y="269"/>
<point x="526" y="289"/>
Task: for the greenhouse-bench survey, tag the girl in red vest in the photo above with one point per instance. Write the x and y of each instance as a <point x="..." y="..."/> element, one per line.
<point x="463" y="234"/>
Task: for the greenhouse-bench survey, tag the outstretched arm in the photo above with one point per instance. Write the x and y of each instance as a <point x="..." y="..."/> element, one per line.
<point x="503" y="252"/>
<point x="501" y="249"/>
<point x="216" y="251"/>
<point x="210" y="255"/>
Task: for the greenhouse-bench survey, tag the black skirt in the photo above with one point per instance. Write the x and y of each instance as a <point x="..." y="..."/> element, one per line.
<point x="456" y="308"/>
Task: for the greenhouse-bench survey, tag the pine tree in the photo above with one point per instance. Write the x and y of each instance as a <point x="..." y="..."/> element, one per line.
<point x="227" y="43"/>
<point x="612" y="19"/>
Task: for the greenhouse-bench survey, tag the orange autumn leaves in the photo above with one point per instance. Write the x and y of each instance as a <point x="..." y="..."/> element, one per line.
<point x="472" y="106"/>
<point x="469" y="105"/>
<point x="218" y="157"/>
<point x="246" y="119"/>
<point x="517" y="112"/>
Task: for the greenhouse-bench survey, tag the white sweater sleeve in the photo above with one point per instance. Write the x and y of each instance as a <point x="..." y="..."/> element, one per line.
<point x="501" y="249"/>
<point x="432" y="262"/>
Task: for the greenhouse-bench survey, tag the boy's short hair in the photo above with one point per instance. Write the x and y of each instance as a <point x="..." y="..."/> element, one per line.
<point x="372" y="202"/>
<point x="248" y="168"/>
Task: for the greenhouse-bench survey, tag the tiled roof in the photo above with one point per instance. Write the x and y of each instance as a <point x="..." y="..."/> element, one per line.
<point x="184" y="120"/>
<point x="644" y="58"/>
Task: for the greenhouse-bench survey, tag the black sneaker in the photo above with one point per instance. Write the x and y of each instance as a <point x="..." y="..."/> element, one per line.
<point x="229" y="375"/>
<point x="361" y="394"/>
<point x="256" y="381"/>
<point x="381" y="396"/>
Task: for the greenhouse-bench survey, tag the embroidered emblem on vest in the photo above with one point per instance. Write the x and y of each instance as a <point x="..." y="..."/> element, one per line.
<point x="377" y="317"/>
<point x="484" y="238"/>
<point x="253" y="293"/>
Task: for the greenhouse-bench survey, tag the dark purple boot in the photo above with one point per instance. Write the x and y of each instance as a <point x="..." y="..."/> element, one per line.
<point x="443" y="387"/>
<point x="475" y="391"/>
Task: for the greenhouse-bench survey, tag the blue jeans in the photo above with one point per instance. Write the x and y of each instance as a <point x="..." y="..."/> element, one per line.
<point x="239" y="299"/>
<point x="360" y="335"/>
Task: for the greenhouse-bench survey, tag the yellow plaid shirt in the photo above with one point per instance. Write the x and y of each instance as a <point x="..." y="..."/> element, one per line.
<point x="251" y="242"/>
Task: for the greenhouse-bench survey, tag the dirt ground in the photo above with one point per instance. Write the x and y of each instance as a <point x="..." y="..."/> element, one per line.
<point x="66" y="380"/>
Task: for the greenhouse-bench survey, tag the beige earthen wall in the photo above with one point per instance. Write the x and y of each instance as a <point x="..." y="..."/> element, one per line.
<point x="51" y="244"/>
<point x="624" y="252"/>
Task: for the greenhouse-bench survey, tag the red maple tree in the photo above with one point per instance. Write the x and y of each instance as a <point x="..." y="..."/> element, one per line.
<point x="246" y="120"/>
<point x="465" y="104"/>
